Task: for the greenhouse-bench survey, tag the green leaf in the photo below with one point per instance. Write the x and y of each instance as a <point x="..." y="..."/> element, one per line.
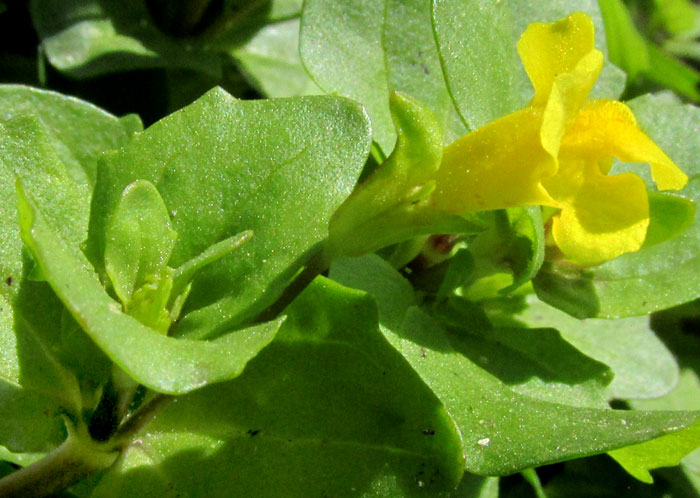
<point x="88" y="39"/>
<point x="677" y="16"/>
<point x="628" y="48"/>
<point x="641" y="58"/>
<point x="670" y="72"/>
<point x="139" y="240"/>
<point x="35" y="372"/>
<point x="336" y="36"/>
<point x="413" y="63"/>
<point x="691" y="469"/>
<point x="478" y="55"/>
<point x="601" y="477"/>
<point x="657" y="276"/>
<point x="481" y="383"/>
<point x="328" y="408"/>
<point x="284" y="9"/>
<point x="643" y="366"/>
<point x="390" y="47"/>
<point x="271" y="61"/>
<point x="666" y="451"/>
<point x="29" y="154"/>
<point x="526" y="245"/>
<point x="672" y="449"/>
<point x="31" y="422"/>
<point x="92" y="367"/>
<point x="392" y="292"/>
<point x="35" y="381"/>
<point x="162" y="363"/>
<point x="51" y="142"/>
<point x="504" y="432"/>
<point x="536" y="363"/>
<point x="473" y="486"/>
<point x="477" y="43"/>
<point x="138" y="247"/>
<point x="687" y="49"/>
<point x="78" y="131"/>
<point x="184" y="273"/>
<point x="223" y="166"/>
<point x="22" y="459"/>
<point x="461" y="269"/>
<point x="513" y="244"/>
<point x="669" y="216"/>
<point x="97" y="37"/>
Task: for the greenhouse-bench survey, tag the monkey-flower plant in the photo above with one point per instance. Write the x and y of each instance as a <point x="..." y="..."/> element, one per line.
<point x="558" y="152"/>
<point x="555" y="152"/>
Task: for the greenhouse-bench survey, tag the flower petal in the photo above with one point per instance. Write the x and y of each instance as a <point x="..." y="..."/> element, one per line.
<point x="551" y="49"/>
<point x="602" y="216"/>
<point x="606" y="128"/>
<point x="567" y="96"/>
<point x="497" y="166"/>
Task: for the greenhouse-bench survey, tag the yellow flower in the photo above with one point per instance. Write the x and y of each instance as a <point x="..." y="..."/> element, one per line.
<point x="558" y="151"/>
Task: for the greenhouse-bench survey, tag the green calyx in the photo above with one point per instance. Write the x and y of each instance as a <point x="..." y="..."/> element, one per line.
<point x="392" y="205"/>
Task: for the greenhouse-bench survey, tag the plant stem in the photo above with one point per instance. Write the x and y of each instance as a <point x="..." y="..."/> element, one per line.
<point x="317" y="265"/>
<point x="78" y="457"/>
<point x="192" y="14"/>
<point x="145" y="414"/>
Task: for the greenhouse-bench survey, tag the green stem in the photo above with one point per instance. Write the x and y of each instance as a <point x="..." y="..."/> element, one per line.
<point x="78" y="457"/>
<point x="192" y="14"/>
<point x="133" y="424"/>
<point x="235" y="20"/>
<point x="317" y="265"/>
<point x="126" y="388"/>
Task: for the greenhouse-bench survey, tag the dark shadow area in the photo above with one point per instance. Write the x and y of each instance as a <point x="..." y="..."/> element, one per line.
<point x="139" y="92"/>
<point x="18" y="44"/>
<point x="601" y="476"/>
<point x="176" y="20"/>
<point x="123" y="82"/>
<point x="569" y="290"/>
<point x="419" y="328"/>
<point x="516" y="355"/>
<point x="679" y="329"/>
